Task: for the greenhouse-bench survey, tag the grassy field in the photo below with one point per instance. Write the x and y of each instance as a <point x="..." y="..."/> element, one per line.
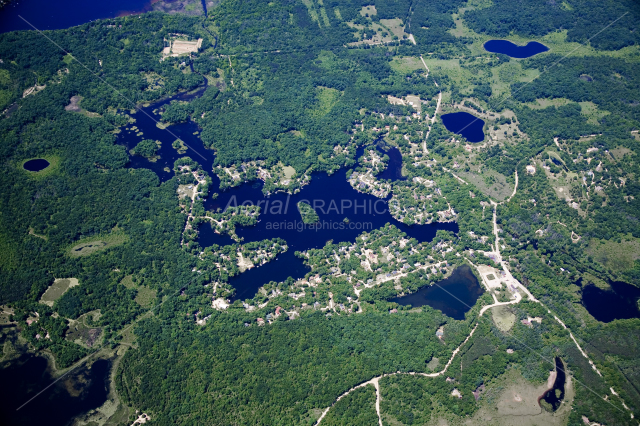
<point x="406" y="64"/>
<point x="145" y="297"/>
<point x="57" y="289"/>
<point x="512" y="400"/>
<point x="433" y="364"/>
<point x="327" y="98"/>
<point x="503" y="318"/>
<point x="590" y="110"/>
<point x="312" y="11"/>
<point x="289" y="172"/>
<point x="489" y="182"/>
<point x="617" y="256"/>
<point x="88" y="246"/>
<point x="620" y="151"/>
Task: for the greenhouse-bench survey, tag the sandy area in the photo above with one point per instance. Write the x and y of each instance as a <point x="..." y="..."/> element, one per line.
<point x="244" y="264"/>
<point x="220" y="304"/>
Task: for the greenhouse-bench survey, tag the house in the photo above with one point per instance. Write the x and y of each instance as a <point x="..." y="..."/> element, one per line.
<point x="260" y="321"/>
<point x="393" y="311"/>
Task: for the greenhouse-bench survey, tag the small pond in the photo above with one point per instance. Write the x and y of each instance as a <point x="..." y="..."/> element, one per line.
<point x="454" y="296"/>
<point x="620" y="302"/>
<point x="554" y="396"/>
<point x="81" y="391"/>
<point x="465" y="124"/>
<point x="36" y="165"/>
<point x="513" y="50"/>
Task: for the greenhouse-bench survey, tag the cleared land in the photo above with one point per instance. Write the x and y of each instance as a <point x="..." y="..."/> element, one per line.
<point x="619" y="257"/>
<point x="57" y="289"/>
<point x="145" y="297"/>
<point x="82" y="335"/>
<point x="181" y="47"/>
<point x="503" y="318"/>
<point x="289" y="172"/>
<point x="513" y="401"/>
<point x="91" y="245"/>
<point x="490" y="182"/>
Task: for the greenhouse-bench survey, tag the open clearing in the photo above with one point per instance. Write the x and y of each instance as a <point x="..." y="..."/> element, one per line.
<point x="57" y="289"/>
<point x="503" y="318"/>
<point x="82" y="335"/>
<point x="619" y="257"/>
<point x="289" y="172"/>
<point x="433" y="364"/>
<point x="90" y="245"/>
<point x="181" y="47"/>
<point x="490" y="182"/>
<point x="145" y="297"/>
<point x="82" y="332"/>
<point x="406" y="64"/>
<point x="513" y="401"/>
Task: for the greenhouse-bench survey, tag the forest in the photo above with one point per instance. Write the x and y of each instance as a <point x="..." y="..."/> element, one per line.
<point x="285" y="88"/>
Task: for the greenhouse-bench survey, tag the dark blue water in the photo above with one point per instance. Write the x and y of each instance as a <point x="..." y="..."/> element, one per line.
<point x="550" y="396"/>
<point x="146" y="122"/>
<point x="58" y="14"/>
<point x="464" y="124"/>
<point x="454" y="296"/>
<point x="28" y="375"/>
<point x="394" y="168"/>
<point x="621" y="302"/>
<point x="332" y="197"/>
<point x="208" y="237"/>
<point x="513" y="50"/>
<point x="36" y="165"/>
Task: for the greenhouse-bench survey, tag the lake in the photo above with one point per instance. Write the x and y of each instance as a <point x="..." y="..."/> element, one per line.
<point x="394" y="168"/>
<point x="513" y="50"/>
<point x="464" y="124"/>
<point x="454" y="296"/>
<point x="332" y="197"/>
<point x="620" y="302"/>
<point x="36" y="165"/>
<point x="53" y="15"/>
<point x="81" y="391"/>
